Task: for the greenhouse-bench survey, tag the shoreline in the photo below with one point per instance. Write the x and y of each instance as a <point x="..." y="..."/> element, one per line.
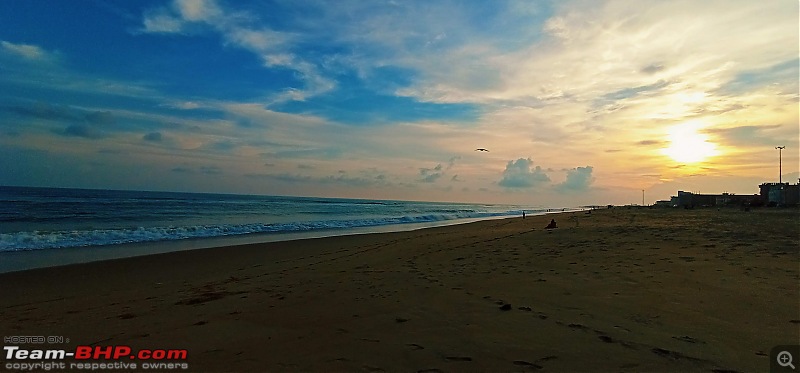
<point x="610" y="290"/>
<point x="15" y="261"/>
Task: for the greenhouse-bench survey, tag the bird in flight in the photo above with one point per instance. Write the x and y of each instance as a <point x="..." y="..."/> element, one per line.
<point x="481" y="150"/>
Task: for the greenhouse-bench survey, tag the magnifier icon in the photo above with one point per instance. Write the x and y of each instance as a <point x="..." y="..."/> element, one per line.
<point x="785" y="359"/>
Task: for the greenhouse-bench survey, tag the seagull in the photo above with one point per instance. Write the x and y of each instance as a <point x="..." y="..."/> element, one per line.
<point x="481" y="150"/>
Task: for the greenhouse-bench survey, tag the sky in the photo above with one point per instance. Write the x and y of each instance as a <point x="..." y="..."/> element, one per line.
<point x="578" y="102"/>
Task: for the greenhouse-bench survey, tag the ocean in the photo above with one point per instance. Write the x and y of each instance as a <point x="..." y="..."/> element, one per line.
<point x="47" y="219"/>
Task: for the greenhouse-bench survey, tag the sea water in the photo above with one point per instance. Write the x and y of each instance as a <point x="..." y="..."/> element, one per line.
<point x="36" y="219"/>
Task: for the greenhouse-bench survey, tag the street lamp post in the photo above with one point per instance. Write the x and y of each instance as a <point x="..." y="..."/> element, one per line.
<point x="780" y="164"/>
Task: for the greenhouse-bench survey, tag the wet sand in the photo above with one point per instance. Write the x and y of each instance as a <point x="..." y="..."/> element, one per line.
<point x="614" y="290"/>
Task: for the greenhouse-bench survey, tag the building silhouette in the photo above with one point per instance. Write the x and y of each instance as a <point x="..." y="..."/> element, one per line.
<point x="780" y="194"/>
<point x="770" y="194"/>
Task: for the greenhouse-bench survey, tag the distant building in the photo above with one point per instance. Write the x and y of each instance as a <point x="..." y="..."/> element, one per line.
<point x="780" y="194"/>
<point x="691" y="200"/>
<point x="663" y="203"/>
<point x="770" y="194"/>
<point x="728" y="199"/>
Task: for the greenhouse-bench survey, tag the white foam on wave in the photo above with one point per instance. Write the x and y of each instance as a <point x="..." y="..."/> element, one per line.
<point x="37" y="240"/>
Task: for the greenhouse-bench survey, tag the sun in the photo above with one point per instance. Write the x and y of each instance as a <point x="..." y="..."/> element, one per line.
<point x="689" y="146"/>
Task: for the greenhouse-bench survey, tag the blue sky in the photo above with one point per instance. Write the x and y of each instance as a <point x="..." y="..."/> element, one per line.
<point x="579" y="102"/>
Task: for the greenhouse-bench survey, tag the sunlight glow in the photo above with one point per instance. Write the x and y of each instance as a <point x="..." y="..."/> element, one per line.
<point x="689" y="146"/>
<point x="692" y="97"/>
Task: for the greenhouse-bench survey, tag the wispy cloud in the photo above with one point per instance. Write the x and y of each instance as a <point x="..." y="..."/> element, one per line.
<point x="240" y="29"/>
<point x="161" y="21"/>
<point x="327" y="94"/>
<point x="28" y="51"/>
<point x="153" y="137"/>
<point x="431" y="175"/>
<point x="81" y="130"/>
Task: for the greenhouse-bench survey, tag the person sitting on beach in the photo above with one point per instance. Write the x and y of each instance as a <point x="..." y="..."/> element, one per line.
<point x="552" y="224"/>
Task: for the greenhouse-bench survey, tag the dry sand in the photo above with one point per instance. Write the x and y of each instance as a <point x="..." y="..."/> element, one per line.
<point x="615" y="290"/>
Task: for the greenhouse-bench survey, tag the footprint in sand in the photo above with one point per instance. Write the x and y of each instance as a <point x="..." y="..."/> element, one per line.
<point x="672" y="354"/>
<point x="606" y="339"/>
<point x="527" y="364"/>
<point x="577" y="326"/>
<point x="688" y="339"/>
<point x="458" y="358"/>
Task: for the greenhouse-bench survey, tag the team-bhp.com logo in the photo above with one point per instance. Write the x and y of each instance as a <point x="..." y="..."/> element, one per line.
<point x="94" y="358"/>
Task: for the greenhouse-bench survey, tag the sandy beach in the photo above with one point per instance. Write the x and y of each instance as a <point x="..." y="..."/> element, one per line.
<point x="612" y="290"/>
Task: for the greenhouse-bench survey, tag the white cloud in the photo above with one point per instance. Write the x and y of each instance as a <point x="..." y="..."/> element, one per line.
<point x="184" y="105"/>
<point x="262" y="40"/>
<point x="197" y="10"/>
<point x="606" y="74"/>
<point x="316" y="83"/>
<point x="267" y="118"/>
<point x="237" y="29"/>
<point x="176" y="18"/>
<point x="578" y="180"/>
<point x="161" y="21"/>
<point x="522" y="174"/>
<point x="31" y="52"/>
<point x="584" y="83"/>
<point x="584" y="51"/>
